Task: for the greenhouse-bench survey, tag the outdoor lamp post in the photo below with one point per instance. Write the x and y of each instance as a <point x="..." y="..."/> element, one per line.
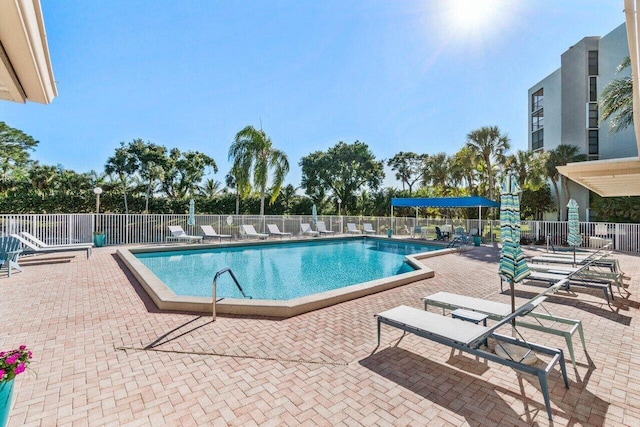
<point x="97" y="192"/>
<point x="339" y="205"/>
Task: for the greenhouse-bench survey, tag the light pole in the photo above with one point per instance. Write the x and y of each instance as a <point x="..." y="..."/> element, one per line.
<point x="339" y="205"/>
<point x="97" y="192"/>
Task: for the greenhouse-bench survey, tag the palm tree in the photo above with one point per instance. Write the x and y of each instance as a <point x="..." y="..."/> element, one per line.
<point x="210" y="188"/>
<point x="123" y="164"/>
<point x="437" y="172"/>
<point x="560" y="156"/>
<point x="253" y="155"/>
<point x="527" y="167"/>
<point x="463" y="168"/>
<point x="616" y="101"/>
<point x="490" y="145"/>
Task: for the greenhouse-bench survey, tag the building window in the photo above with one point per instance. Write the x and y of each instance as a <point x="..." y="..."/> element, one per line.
<point x="537" y="140"/>
<point x="537" y="100"/>
<point x="537" y="120"/>
<point x="593" y="62"/>
<point x="593" y="115"/>
<point x="593" y="143"/>
<point x="593" y="89"/>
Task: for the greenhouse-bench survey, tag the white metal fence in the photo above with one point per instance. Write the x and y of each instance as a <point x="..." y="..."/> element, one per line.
<point x="123" y="229"/>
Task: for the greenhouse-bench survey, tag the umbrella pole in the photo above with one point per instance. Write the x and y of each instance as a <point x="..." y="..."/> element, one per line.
<point x="513" y="300"/>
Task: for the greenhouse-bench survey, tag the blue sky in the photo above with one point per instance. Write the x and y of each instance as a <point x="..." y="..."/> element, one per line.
<point x="398" y="75"/>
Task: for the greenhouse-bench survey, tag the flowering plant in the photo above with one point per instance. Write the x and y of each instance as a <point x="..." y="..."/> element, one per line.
<point x="14" y="362"/>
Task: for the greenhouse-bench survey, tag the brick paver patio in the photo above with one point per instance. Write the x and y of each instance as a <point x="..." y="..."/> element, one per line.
<point x="104" y="355"/>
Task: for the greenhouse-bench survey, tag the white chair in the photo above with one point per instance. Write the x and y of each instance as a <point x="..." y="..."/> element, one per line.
<point x="42" y="244"/>
<point x="305" y="228"/>
<point x="351" y="228"/>
<point x="368" y="229"/>
<point x="275" y="231"/>
<point x="249" y="231"/>
<point x="31" y="248"/>
<point x="322" y="229"/>
<point x="209" y="233"/>
<point x="178" y="235"/>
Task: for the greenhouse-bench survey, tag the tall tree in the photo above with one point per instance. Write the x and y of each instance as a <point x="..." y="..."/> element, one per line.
<point x="490" y="145"/>
<point x="438" y="173"/>
<point x="123" y="164"/>
<point x="14" y="149"/>
<point x="409" y="168"/>
<point x="184" y="171"/>
<point x="344" y="170"/>
<point x="528" y="167"/>
<point x="463" y="166"/>
<point x="253" y="156"/>
<point x="210" y="188"/>
<point x="152" y="161"/>
<point x="560" y="156"/>
<point x="616" y="101"/>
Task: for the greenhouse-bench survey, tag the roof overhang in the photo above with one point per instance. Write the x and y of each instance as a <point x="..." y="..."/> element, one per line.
<point x="444" y="202"/>
<point x="608" y="178"/>
<point x="25" y="65"/>
<point x="616" y="177"/>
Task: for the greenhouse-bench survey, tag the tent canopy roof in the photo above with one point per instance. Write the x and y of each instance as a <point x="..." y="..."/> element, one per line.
<point x="445" y="202"/>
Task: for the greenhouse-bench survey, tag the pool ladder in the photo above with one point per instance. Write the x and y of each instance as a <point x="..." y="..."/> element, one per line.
<point x="214" y="285"/>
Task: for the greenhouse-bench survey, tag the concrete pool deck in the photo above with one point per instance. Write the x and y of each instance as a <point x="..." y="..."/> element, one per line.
<point x="105" y="355"/>
<point x="165" y="299"/>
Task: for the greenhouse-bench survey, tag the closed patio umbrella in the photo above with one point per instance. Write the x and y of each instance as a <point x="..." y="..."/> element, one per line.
<point x="574" y="238"/>
<point x="192" y="213"/>
<point x="513" y="265"/>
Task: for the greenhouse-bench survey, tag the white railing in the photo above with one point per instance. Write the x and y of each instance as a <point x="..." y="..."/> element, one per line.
<point x="123" y="229"/>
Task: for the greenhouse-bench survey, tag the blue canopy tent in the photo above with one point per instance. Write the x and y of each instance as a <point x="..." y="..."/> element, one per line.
<point x="445" y="202"/>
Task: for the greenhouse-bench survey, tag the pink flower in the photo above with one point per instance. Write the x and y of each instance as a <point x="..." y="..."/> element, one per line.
<point x="20" y="368"/>
<point x="23" y="347"/>
<point x="1" y="353"/>
<point x="12" y="359"/>
<point x="2" y="372"/>
<point x="29" y="354"/>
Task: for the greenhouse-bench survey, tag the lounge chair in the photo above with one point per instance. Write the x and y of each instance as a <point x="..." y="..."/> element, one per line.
<point x="368" y="229"/>
<point x="275" y="231"/>
<point x="497" y="311"/>
<point x="29" y="247"/>
<point x="42" y="244"/>
<point x="580" y="272"/>
<point x="9" y="253"/>
<point x="600" y="259"/>
<point x="209" y="233"/>
<point x="351" y="228"/>
<point x="322" y="229"/>
<point x="467" y="337"/>
<point x="178" y="235"/>
<point x="249" y="231"/>
<point x="440" y="235"/>
<point x="305" y="228"/>
<point x="416" y="232"/>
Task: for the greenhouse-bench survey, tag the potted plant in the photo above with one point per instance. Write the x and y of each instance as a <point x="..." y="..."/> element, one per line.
<point x="99" y="238"/>
<point x="12" y="363"/>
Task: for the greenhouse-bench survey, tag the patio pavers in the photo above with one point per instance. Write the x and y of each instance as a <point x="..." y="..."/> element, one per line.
<point x="104" y="355"/>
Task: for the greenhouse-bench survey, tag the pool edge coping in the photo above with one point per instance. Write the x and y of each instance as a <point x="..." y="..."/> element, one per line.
<point x="166" y="300"/>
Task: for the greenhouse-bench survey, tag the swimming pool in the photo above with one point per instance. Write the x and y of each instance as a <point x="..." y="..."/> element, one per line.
<point x="166" y="299"/>
<point x="282" y="271"/>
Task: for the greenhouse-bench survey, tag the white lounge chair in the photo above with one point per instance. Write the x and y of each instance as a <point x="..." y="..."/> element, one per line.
<point x="249" y="231"/>
<point x="209" y="233"/>
<point x="42" y="244"/>
<point x="351" y="228"/>
<point x="543" y="321"/>
<point x="275" y="231"/>
<point x="29" y="247"/>
<point x="322" y="229"/>
<point x="305" y="228"/>
<point x="468" y="337"/>
<point x="368" y="229"/>
<point x="178" y="235"/>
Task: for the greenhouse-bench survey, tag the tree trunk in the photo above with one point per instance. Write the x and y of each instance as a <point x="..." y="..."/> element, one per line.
<point x="237" y="202"/>
<point x="555" y="187"/>
<point x="262" y="191"/>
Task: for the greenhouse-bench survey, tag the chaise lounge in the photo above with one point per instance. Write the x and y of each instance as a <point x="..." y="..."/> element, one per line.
<point x="209" y="233"/>
<point x="31" y="248"/>
<point x="305" y="228"/>
<point x="468" y="337"/>
<point x="275" y="231"/>
<point x="352" y="229"/>
<point x="322" y="229"/>
<point x="179" y="235"/>
<point x="250" y="231"/>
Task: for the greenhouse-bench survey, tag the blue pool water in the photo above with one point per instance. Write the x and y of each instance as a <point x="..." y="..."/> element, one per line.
<point x="282" y="271"/>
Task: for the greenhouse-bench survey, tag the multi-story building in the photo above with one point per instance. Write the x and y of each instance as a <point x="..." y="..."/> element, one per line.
<point x="564" y="108"/>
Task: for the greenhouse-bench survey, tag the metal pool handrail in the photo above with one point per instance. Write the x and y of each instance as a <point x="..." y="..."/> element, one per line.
<point x="214" y="285"/>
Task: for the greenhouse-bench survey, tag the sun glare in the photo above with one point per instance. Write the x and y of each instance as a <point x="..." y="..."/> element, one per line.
<point x="475" y="21"/>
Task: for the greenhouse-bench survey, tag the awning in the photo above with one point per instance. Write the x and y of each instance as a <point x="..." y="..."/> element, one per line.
<point x="616" y="177"/>
<point x="445" y="202"/>
<point x="25" y="65"/>
<point x="608" y="178"/>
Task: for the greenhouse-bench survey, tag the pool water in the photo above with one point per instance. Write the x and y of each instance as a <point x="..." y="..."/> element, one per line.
<point x="281" y="271"/>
